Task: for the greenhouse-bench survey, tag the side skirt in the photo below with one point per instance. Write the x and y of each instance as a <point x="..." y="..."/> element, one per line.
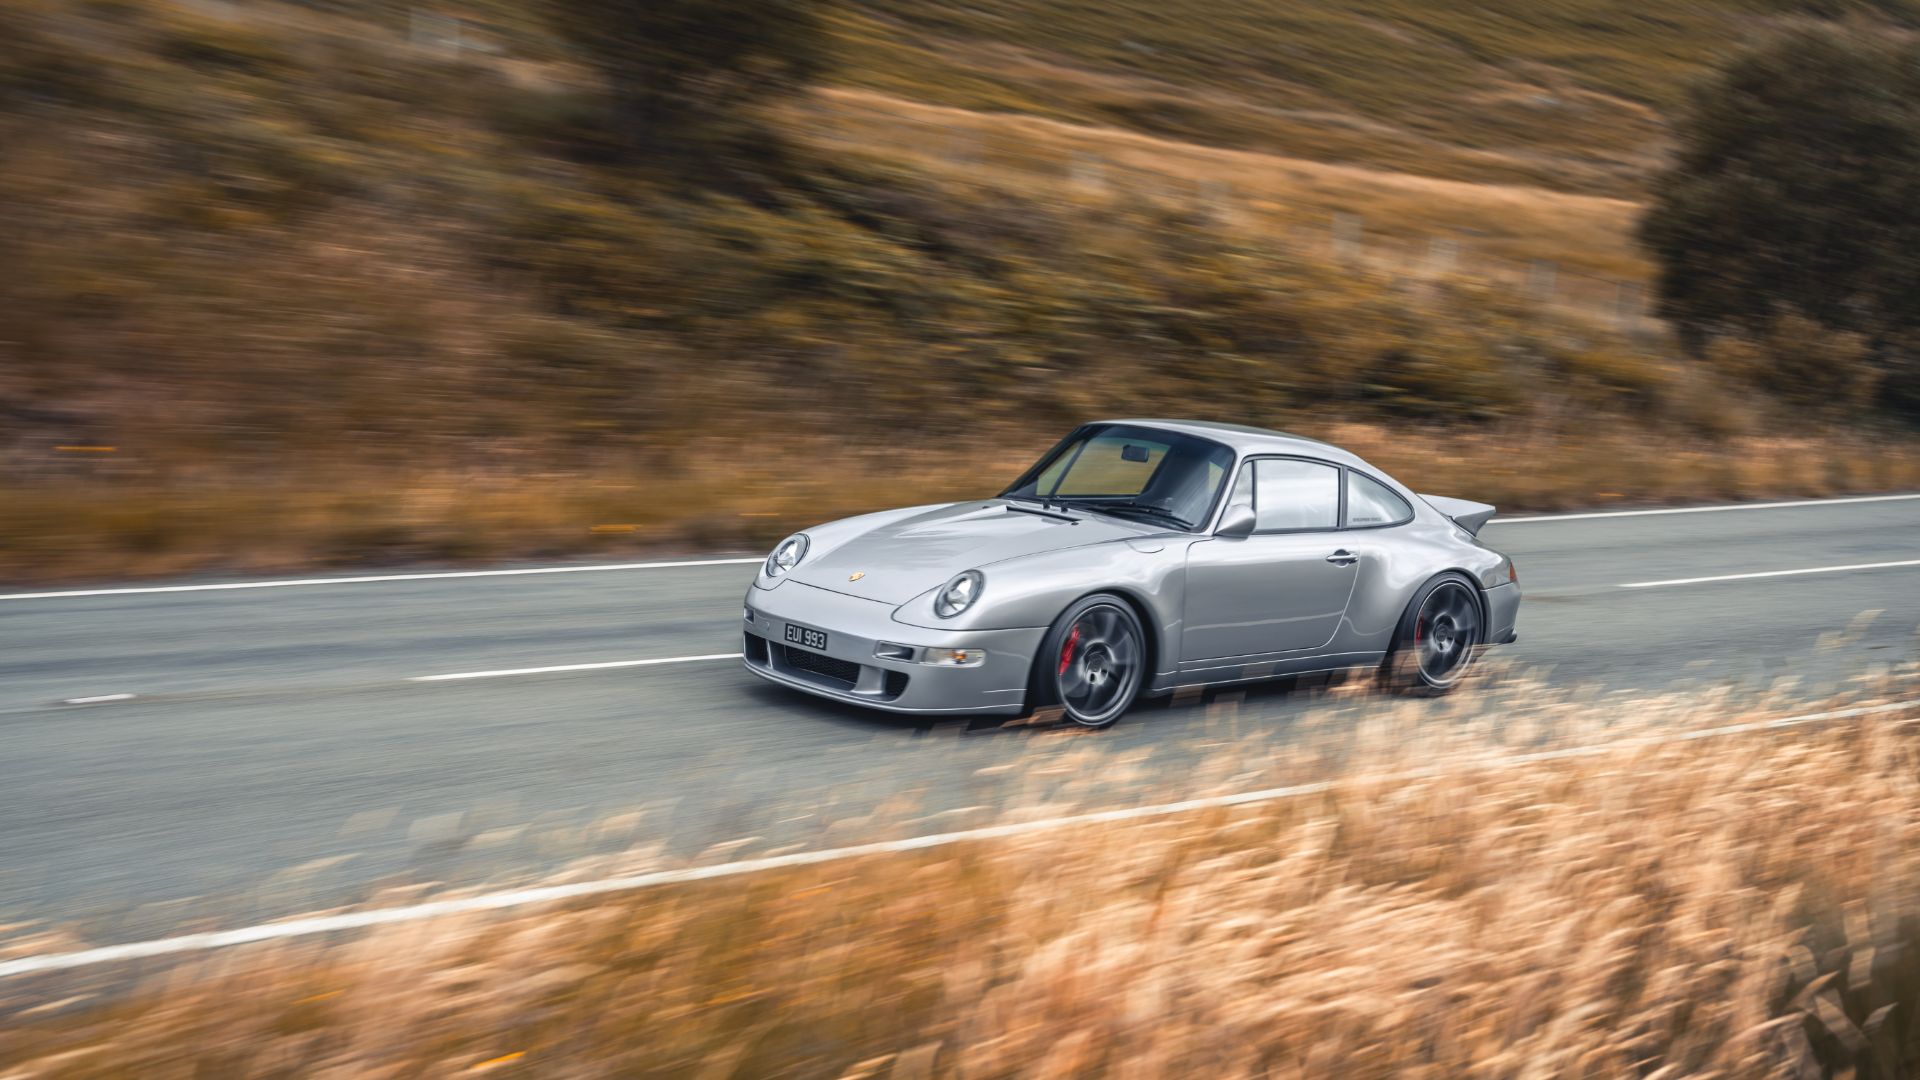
<point x="1169" y="681"/>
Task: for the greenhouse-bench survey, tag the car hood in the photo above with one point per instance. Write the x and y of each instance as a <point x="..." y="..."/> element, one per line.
<point x="900" y="559"/>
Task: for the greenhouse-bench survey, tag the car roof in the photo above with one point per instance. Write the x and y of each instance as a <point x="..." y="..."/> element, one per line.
<point x="1251" y="440"/>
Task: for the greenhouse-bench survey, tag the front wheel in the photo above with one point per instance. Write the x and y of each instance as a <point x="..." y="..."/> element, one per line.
<point x="1092" y="662"/>
<point x="1438" y="638"/>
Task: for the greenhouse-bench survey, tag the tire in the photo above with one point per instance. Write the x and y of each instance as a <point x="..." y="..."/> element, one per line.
<point x="1092" y="662"/>
<point x="1438" y="638"/>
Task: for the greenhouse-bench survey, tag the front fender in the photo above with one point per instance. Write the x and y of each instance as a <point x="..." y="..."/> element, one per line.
<point x="1032" y="591"/>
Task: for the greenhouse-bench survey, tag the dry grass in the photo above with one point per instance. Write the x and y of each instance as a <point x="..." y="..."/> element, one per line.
<point x="1742" y="906"/>
<point x="1569" y="94"/>
<point x="1579" y="466"/>
<point x="104" y="518"/>
<point x="322" y="332"/>
<point x="1265" y="194"/>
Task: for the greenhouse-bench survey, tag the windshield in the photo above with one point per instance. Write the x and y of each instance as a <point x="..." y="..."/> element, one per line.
<point x="1131" y="471"/>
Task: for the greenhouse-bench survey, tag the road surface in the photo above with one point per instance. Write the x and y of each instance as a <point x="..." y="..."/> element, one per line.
<point x="227" y="735"/>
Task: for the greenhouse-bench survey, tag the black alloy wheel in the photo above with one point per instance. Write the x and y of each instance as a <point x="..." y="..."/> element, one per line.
<point x="1092" y="662"/>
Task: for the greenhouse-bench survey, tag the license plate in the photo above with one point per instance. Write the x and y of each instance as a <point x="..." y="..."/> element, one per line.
<point x="806" y="637"/>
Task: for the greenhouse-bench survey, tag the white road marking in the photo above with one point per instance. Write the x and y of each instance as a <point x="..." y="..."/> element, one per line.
<point x="1695" y="509"/>
<point x="611" y="567"/>
<point x="302" y="582"/>
<point x="327" y="924"/>
<point x="1768" y="574"/>
<point x="97" y="699"/>
<point x="504" y="672"/>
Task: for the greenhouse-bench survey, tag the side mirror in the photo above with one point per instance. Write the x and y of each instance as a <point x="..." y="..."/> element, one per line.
<point x="1236" y="523"/>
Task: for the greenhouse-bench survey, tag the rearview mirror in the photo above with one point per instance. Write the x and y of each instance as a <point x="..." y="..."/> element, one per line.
<point x="1237" y="522"/>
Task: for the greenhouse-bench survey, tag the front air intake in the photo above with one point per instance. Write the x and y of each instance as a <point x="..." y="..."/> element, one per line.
<point x="755" y="650"/>
<point x="827" y="667"/>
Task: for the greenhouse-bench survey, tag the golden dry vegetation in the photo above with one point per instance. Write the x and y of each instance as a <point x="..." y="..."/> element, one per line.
<point x="1287" y="201"/>
<point x="1569" y="94"/>
<point x="289" y="288"/>
<point x="710" y="498"/>
<point x="1512" y="886"/>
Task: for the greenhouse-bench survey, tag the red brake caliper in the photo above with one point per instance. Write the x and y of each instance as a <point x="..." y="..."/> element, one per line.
<point x="1419" y="625"/>
<point x="1066" y="651"/>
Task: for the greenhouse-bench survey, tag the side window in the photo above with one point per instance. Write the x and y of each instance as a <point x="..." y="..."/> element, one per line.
<point x="1295" y="495"/>
<point x="1369" y="502"/>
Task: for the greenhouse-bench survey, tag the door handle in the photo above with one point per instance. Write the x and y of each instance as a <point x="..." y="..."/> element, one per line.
<point x="1343" y="557"/>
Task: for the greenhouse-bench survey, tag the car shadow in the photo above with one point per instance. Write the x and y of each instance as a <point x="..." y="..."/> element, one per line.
<point x="1289" y="691"/>
<point x="837" y="713"/>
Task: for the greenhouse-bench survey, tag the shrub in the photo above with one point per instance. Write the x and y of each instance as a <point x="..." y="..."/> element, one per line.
<point x="678" y="73"/>
<point x="1797" y="182"/>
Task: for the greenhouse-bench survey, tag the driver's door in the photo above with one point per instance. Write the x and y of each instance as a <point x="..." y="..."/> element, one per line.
<point x="1285" y="588"/>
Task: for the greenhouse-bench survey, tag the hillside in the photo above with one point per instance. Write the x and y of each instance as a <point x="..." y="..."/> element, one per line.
<point x="1568" y="93"/>
<point x="295" y="284"/>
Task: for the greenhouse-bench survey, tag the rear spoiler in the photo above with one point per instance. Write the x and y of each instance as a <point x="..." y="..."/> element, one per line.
<point x="1471" y="516"/>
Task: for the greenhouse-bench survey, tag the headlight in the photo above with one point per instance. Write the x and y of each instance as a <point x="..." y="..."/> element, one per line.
<point x="959" y="594"/>
<point x="787" y="555"/>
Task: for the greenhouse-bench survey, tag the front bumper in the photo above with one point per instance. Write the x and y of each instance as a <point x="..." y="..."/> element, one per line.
<point x="851" y="672"/>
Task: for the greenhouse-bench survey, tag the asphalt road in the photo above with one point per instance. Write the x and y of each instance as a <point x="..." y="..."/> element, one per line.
<point x="282" y="728"/>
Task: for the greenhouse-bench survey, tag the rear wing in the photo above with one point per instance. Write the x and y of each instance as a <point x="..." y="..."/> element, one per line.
<point x="1471" y="516"/>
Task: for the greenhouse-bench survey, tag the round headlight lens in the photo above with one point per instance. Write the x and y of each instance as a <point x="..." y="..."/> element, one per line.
<point x="787" y="555"/>
<point x="959" y="594"/>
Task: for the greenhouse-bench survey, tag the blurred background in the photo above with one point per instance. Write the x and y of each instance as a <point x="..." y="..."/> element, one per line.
<point x="368" y="281"/>
<point x="293" y="285"/>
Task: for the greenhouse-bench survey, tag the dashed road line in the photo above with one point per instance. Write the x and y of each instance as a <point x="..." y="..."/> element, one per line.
<point x="600" y="666"/>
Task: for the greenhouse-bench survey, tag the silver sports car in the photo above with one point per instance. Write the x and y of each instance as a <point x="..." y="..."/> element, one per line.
<point x="1136" y="557"/>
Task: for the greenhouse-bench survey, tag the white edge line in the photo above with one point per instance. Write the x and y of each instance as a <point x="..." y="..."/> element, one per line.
<point x="1720" y="508"/>
<point x="438" y="575"/>
<point x="327" y="924"/>
<point x="97" y="699"/>
<point x="608" y="567"/>
<point x="573" y="667"/>
<point x="1768" y="574"/>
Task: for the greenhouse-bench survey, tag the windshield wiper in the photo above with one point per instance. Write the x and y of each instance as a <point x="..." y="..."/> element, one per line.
<point x="1119" y="509"/>
<point x="1042" y="510"/>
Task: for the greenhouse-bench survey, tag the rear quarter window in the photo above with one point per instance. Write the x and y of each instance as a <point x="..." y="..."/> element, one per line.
<point x="1371" y="503"/>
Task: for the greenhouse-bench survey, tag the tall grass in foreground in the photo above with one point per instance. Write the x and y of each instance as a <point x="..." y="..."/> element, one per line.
<point x="1740" y="906"/>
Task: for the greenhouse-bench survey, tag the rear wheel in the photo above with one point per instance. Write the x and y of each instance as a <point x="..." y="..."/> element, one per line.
<point x="1439" y="636"/>
<point x="1092" y="661"/>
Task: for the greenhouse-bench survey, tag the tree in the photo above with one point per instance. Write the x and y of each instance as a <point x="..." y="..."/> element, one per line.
<point x="1795" y="195"/>
<point x="683" y="75"/>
